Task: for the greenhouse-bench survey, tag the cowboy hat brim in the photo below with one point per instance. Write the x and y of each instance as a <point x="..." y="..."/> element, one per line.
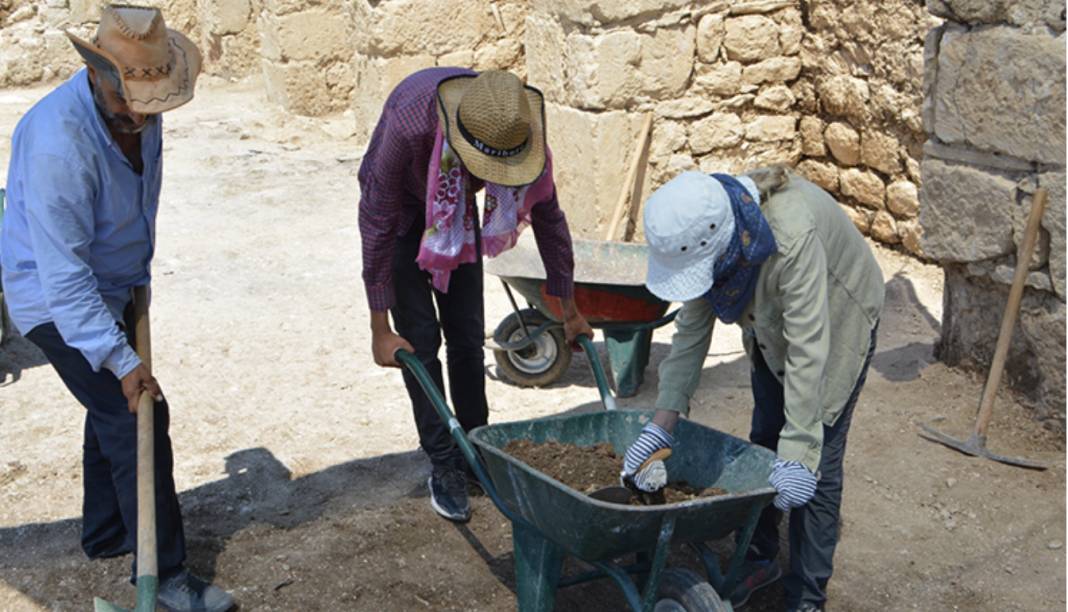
<point x="149" y="97"/>
<point x="515" y="171"/>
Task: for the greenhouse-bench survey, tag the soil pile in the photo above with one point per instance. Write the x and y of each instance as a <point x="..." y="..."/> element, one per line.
<point x="589" y="468"/>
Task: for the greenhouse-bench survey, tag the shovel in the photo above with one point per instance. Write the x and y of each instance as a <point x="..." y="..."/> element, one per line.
<point x="147" y="561"/>
<point x="623" y="494"/>
<point x="976" y="444"/>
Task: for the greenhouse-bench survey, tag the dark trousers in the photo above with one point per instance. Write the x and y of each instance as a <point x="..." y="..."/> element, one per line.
<point x="814" y="526"/>
<point x="109" y="460"/>
<point x="460" y="315"/>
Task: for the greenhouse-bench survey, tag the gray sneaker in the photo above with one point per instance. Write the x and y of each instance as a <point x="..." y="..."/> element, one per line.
<point x="184" y="592"/>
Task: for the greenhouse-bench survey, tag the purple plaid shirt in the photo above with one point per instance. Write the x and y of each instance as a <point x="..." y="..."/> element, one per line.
<point x="393" y="190"/>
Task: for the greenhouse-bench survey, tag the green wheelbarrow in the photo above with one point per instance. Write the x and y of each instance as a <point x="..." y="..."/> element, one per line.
<point x="551" y="521"/>
<point x="610" y="292"/>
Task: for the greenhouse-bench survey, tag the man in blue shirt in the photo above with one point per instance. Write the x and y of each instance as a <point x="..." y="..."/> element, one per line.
<point x="78" y="235"/>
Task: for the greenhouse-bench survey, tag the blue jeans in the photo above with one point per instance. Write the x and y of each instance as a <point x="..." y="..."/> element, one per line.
<point x="109" y="460"/>
<point x="814" y="526"/>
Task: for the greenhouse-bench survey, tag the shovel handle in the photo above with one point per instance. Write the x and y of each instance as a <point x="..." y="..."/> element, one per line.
<point x="147" y="560"/>
<point x="1012" y="309"/>
<point x="607" y="400"/>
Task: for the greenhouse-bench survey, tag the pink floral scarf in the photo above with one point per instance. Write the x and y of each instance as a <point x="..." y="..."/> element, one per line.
<point x="449" y="239"/>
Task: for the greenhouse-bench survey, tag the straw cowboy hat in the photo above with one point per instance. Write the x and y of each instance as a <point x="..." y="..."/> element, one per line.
<point x="154" y="68"/>
<point x="496" y="125"/>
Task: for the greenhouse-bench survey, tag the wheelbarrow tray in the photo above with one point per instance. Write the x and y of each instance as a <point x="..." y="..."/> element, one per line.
<point x="594" y="530"/>
<point x="609" y="281"/>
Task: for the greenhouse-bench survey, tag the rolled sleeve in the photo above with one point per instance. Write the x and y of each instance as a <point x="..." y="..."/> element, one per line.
<point x="59" y="196"/>
<point x="122" y="361"/>
<point x="553" y="238"/>
<point x="680" y="372"/>
<point x="806" y="330"/>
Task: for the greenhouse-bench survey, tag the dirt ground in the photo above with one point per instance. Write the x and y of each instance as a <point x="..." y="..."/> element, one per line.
<point x="297" y="461"/>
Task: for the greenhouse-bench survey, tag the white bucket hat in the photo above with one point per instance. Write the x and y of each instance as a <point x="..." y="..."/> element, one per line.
<point x="688" y="225"/>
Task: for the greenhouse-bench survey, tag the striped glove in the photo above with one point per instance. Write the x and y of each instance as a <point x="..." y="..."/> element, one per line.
<point x="794" y="482"/>
<point x="652" y="477"/>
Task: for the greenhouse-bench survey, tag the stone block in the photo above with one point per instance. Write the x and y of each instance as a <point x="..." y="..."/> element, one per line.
<point x="718" y="131"/>
<point x="771" y="128"/>
<point x="777" y="98"/>
<point x="903" y="199"/>
<point x="791" y="31"/>
<point x="666" y="61"/>
<point x="710" y="33"/>
<point x="772" y="70"/>
<point x="864" y="186"/>
<point x="544" y="41"/>
<point x="669" y="137"/>
<point x="312" y="35"/>
<point x="374" y="79"/>
<point x="1027" y="13"/>
<point x="501" y="55"/>
<point x="930" y="76"/>
<point x="85" y="11"/>
<point x="604" y="12"/>
<point x="299" y="87"/>
<point x="880" y="151"/>
<point x="884" y="228"/>
<point x="751" y="38"/>
<point x="821" y="173"/>
<point x="459" y="59"/>
<point x="685" y="108"/>
<point x="911" y="236"/>
<point x="433" y="27"/>
<point x="1002" y="89"/>
<point x="720" y="80"/>
<point x="589" y="171"/>
<point x="966" y="213"/>
<point x="844" y="143"/>
<point x="1053" y="222"/>
<point x="812" y="137"/>
<point x="225" y="17"/>
<point x="970" y="323"/>
<point x="845" y="96"/>
<point x="862" y="219"/>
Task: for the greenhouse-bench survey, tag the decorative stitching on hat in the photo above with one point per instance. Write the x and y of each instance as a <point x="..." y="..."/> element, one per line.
<point x="125" y="27"/>
<point x="182" y="87"/>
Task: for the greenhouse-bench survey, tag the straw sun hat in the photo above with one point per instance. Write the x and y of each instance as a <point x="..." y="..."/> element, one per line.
<point x="496" y="125"/>
<point x="154" y="68"/>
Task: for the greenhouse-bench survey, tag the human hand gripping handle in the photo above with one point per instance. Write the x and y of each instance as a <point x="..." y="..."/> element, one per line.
<point x="139" y="381"/>
<point x="643" y="463"/>
<point x="385" y="343"/>
<point x="794" y="482"/>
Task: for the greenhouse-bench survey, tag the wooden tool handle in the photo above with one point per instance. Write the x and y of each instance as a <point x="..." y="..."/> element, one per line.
<point x="147" y="560"/>
<point x="1012" y="309"/>
<point x="632" y="183"/>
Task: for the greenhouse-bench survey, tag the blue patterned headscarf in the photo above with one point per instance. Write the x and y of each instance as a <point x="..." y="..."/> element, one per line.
<point x="737" y="269"/>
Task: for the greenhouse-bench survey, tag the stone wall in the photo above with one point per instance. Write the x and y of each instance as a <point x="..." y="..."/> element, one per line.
<point x="35" y="48"/>
<point x="829" y="86"/>
<point x="994" y="112"/>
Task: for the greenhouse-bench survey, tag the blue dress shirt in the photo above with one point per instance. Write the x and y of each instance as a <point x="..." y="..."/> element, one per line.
<point x="79" y="226"/>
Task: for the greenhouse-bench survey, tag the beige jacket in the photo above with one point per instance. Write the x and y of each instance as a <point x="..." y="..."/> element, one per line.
<point x="816" y="302"/>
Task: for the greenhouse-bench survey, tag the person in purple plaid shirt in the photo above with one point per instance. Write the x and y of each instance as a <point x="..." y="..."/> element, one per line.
<point x="444" y="134"/>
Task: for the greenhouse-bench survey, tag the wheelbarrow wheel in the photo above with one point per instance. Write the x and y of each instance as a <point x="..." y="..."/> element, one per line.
<point x="541" y="363"/>
<point x="682" y="590"/>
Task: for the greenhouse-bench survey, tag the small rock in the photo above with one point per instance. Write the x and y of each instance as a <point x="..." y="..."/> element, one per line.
<point x="1054" y="545"/>
<point x="950" y="482"/>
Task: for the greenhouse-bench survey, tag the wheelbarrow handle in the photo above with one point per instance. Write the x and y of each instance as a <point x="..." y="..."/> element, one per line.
<point x="410" y="361"/>
<point x="607" y="400"/>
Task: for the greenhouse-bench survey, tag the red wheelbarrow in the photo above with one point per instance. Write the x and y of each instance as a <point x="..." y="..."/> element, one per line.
<point x="610" y="292"/>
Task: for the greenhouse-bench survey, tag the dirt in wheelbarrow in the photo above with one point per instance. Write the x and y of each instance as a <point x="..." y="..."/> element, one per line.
<point x="589" y="468"/>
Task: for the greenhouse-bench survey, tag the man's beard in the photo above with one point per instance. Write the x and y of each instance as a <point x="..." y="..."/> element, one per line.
<point x="120" y="123"/>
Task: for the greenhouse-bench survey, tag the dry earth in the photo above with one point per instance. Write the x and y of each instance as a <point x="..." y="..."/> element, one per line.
<point x="296" y="458"/>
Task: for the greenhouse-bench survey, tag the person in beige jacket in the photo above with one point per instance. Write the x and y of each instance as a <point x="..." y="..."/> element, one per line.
<point x="775" y="254"/>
